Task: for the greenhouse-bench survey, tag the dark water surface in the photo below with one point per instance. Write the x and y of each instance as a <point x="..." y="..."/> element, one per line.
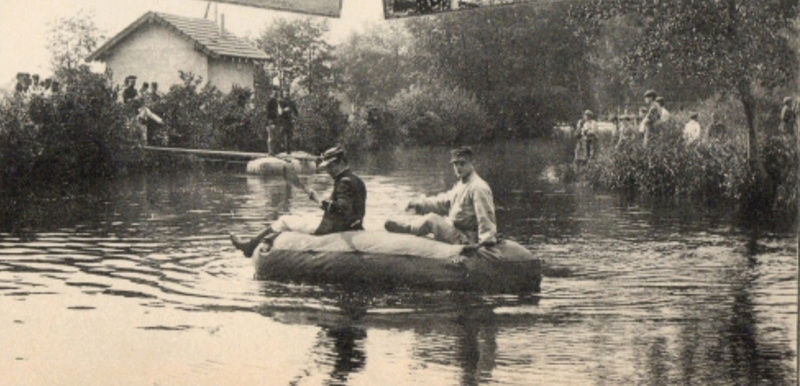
<point x="137" y="283"/>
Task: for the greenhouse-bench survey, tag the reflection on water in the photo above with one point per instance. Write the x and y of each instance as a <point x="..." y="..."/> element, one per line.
<point x="138" y="280"/>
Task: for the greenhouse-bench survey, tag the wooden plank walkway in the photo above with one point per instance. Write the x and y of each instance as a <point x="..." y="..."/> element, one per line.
<point x="228" y="154"/>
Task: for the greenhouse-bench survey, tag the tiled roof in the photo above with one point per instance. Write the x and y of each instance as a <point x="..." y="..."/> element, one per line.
<point x="204" y="33"/>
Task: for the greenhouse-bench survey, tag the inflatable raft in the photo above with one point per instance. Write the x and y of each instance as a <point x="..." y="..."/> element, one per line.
<point x="389" y="260"/>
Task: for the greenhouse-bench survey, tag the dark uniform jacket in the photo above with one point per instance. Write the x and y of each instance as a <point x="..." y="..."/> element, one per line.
<point x="344" y="211"/>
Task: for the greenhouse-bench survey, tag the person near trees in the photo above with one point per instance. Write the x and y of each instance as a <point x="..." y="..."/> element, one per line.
<point x="273" y="111"/>
<point x="664" y="114"/>
<point x="469" y="207"/>
<point x="144" y="91"/>
<point x="343" y="211"/>
<point x="585" y="147"/>
<point x="788" y="117"/>
<point x="288" y="112"/>
<point x="653" y="115"/>
<point x="716" y="131"/>
<point x="129" y="93"/>
<point x="692" y="129"/>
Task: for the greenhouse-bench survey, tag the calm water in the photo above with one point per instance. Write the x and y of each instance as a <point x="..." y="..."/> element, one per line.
<point x="136" y="283"/>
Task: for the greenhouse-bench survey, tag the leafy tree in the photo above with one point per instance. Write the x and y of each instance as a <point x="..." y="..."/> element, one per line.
<point x="375" y="65"/>
<point x="734" y="46"/>
<point x="71" y="39"/>
<point x="522" y="62"/>
<point x="299" y="54"/>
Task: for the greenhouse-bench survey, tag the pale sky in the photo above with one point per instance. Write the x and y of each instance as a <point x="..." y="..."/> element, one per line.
<point x="24" y="24"/>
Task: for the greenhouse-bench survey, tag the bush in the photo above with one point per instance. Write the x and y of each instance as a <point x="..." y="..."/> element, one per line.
<point x="708" y="171"/>
<point x="73" y="136"/>
<point x="434" y="114"/>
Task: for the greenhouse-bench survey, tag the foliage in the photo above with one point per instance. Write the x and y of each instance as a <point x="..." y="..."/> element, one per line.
<point x="731" y="46"/>
<point x="523" y="65"/>
<point x="72" y="136"/>
<point x="433" y="114"/>
<point x="375" y="66"/>
<point x="319" y="123"/>
<point x="709" y="171"/>
<point x="300" y="56"/>
<point x="71" y="39"/>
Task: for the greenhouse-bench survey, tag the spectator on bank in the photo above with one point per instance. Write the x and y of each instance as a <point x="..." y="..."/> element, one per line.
<point x="288" y="112"/>
<point x="129" y="93"/>
<point x="716" y="131"/>
<point x="788" y="117"/>
<point x="154" y="90"/>
<point x="692" y="129"/>
<point x="664" y="114"/>
<point x="652" y="116"/>
<point x="144" y="90"/>
<point x="23" y="82"/>
<point x="36" y="87"/>
<point x="273" y="111"/>
<point x="587" y="138"/>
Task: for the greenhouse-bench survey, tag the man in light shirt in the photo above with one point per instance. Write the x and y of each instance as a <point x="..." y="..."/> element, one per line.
<point x="469" y="207"/>
<point x="691" y="131"/>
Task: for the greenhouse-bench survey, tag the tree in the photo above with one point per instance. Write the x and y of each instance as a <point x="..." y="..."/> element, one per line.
<point x="71" y="39"/>
<point x="375" y="65"/>
<point x="299" y="54"/>
<point x="734" y="46"/>
<point x="522" y="62"/>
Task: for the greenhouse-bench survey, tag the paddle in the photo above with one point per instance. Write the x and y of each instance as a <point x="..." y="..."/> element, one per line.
<point x="290" y="175"/>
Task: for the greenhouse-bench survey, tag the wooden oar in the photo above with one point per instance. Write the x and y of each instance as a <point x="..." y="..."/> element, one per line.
<point x="290" y="176"/>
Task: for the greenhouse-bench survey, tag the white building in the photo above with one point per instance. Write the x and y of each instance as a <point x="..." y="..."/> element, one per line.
<point x="158" y="45"/>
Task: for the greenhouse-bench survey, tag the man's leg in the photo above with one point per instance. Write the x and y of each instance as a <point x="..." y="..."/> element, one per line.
<point x="441" y="229"/>
<point x="302" y="224"/>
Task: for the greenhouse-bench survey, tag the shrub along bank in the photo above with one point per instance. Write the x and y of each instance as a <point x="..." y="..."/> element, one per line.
<point x="712" y="172"/>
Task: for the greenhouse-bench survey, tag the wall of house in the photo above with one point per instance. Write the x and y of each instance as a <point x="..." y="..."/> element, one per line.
<point x="156" y="53"/>
<point x="224" y="73"/>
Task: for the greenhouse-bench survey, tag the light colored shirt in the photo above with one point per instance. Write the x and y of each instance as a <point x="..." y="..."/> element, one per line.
<point x="469" y="205"/>
<point x="691" y="131"/>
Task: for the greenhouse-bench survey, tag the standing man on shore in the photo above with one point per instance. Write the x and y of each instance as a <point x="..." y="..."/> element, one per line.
<point x="469" y="207"/>
<point x="653" y="115"/>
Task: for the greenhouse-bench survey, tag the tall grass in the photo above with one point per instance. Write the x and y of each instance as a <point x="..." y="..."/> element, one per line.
<point x="708" y="172"/>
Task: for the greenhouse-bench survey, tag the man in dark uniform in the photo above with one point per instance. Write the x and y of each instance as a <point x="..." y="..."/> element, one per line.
<point x="129" y="93"/>
<point x="343" y="211"/>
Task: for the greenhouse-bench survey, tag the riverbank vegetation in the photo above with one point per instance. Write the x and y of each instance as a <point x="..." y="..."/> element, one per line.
<point x="505" y="73"/>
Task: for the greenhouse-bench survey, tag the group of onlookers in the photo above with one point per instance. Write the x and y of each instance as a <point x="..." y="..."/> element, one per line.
<point x="649" y="118"/>
<point x="145" y="94"/>
<point x="29" y="85"/>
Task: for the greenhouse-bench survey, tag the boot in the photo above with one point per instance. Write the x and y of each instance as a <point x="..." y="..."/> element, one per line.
<point x="397" y="227"/>
<point x="247" y="246"/>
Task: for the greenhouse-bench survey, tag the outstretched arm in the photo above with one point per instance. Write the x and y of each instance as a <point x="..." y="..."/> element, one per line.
<point x="484" y="212"/>
<point x="439" y="204"/>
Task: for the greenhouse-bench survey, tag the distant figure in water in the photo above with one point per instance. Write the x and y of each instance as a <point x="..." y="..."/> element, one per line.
<point x="469" y="207"/>
<point x="343" y="211"/>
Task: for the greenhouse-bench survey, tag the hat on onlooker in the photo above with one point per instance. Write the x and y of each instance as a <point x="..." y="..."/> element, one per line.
<point x="461" y="154"/>
<point x="693" y="115"/>
<point x="331" y="155"/>
<point x="650" y="93"/>
<point x="787" y="100"/>
<point x="588" y="114"/>
<point x="660" y="100"/>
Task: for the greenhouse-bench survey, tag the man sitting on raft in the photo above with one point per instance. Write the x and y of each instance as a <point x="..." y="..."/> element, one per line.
<point x="343" y="211"/>
<point x="469" y="207"/>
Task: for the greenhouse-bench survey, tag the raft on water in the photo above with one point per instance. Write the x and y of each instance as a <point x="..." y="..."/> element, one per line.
<point x="298" y="162"/>
<point x="391" y="260"/>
